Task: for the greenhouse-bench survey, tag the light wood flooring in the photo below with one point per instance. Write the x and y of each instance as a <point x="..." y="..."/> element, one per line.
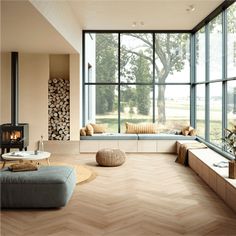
<point x="149" y="195"/>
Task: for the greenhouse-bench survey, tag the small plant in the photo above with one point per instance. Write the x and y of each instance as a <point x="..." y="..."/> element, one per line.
<point x="229" y="141"/>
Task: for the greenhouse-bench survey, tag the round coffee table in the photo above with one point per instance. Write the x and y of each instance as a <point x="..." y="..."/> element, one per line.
<point x="25" y="156"/>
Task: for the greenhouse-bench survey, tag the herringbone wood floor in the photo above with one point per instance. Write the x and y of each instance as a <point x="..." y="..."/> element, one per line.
<point x="149" y="195"/>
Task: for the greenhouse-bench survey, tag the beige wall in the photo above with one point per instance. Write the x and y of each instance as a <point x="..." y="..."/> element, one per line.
<point x="74" y="97"/>
<point x="5" y="88"/>
<point x="59" y="66"/>
<point x="33" y="95"/>
<point x="33" y="103"/>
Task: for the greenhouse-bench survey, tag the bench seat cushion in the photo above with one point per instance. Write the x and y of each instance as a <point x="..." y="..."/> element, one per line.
<point x="49" y="186"/>
<point x="120" y="136"/>
<point x="110" y="136"/>
<point x="164" y="137"/>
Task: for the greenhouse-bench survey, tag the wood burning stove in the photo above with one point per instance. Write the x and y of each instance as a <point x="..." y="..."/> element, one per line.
<point x="14" y="135"/>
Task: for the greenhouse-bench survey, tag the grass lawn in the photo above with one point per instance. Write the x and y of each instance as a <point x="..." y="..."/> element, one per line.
<point x="177" y="115"/>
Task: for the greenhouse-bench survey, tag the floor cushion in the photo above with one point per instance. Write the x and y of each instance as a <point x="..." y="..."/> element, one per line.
<point x="48" y="187"/>
<point x="110" y="157"/>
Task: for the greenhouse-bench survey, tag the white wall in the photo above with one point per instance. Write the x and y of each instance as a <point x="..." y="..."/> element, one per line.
<point x="90" y="59"/>
<point x="60" y="15"/>
<point x="34" y="71"/>
<point x="0" y="74"/>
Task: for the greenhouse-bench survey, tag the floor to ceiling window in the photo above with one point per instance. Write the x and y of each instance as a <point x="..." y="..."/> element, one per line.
<point x="231" y="65"/>
<point x="137" y="77"/>
<point x="200" y="78"/>
<point x="172" y="78"/>
<point x="215" y="64"/>
<point x="215" y="80"/>
<point x="145" y="77"/>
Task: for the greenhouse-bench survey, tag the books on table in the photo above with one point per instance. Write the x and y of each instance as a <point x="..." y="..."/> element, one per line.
<point x="20" y="154"/>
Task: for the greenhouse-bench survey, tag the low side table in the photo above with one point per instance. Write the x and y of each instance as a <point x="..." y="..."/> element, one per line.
<point x="25" y="156"/>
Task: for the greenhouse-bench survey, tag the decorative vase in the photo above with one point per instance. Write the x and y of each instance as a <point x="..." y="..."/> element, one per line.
<point x="232" y="169"/>
<point x="41" y="144"/>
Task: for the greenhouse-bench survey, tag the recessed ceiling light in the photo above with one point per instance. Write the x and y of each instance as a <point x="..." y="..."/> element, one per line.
<point x="190" y="8"/>
<point x="134" y="24"/>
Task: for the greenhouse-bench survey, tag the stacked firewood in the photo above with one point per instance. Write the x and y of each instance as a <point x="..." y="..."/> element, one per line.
<point x="58" y="109"/>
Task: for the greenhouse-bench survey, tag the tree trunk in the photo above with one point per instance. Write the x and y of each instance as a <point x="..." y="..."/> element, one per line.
<point x="161" y="104"/>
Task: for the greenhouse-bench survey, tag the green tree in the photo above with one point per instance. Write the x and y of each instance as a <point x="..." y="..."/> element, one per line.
<point x="128" y="97"/>
<point x="106" y="72"/>
<point x="142" y="75"/>
<point x="170" y="54"/>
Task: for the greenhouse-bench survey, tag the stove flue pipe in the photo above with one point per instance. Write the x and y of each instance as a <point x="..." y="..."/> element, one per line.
<point x="14" y="88"/>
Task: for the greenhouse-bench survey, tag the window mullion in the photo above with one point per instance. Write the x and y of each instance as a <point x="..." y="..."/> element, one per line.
<point x="119" y="82"/>
<point x="83" y="78"/>
<point x="207" y="92"/>
<point x="192" y="81"/>
<point x="153" y="80"/>
<point x="224" y="72"/>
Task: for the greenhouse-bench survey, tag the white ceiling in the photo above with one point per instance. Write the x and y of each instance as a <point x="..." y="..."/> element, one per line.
<point x="24" y="29"/>
<point x="156" y="14"/>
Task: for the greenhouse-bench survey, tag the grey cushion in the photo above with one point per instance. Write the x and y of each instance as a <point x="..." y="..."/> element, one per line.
<point x="110" y="136"/>
<point x="49" y="186"/>
<point x="164" y="137"/>
<point x="117" y="136"/>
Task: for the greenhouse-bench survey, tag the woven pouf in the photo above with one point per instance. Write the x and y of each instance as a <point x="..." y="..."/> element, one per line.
<point x="110" y="157"/>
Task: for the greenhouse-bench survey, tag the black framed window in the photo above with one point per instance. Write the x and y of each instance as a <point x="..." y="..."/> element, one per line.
<point x="144" y="76"/>
<point x="137" y="77"/>
<point x="215" y="76"/>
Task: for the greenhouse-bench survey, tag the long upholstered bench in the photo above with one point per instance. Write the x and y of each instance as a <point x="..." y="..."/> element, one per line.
<point x="131" y="143"/>
<point x="202" y="162"/>
<point x="48" y="187"/>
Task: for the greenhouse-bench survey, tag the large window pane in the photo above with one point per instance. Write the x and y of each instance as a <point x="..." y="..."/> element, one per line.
<point x="200" y="110"/>
<point x="231" y="106"/>
<point x="136" y="58"/>
<point x="136" y="104"/>
<point x="90" y="58"/>
<point x="101" y="105"/>
<point x="231" y="40"/>
<point x="136" y="79"/>
<point x="101" y="58"/>
<point x="215" y="60"/>
<point x="216" y="113"/>
<point x="173" y="106"/>
<point x="172" y="58"/>
<point x="200" y="55"/>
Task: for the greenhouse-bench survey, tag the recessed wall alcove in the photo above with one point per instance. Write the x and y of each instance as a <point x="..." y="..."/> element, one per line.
<point x="59" y="98"/>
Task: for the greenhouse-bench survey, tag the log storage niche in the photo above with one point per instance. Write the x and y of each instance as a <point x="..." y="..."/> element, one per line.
<point x="59" y="98"/>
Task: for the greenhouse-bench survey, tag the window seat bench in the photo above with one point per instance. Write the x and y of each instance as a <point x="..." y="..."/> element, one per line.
<point x="201" y="161"/>
<point x="131" y="143"/>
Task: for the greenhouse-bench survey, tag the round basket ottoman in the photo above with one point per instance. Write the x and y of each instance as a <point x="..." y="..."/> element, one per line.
<point x="110" y="157"/>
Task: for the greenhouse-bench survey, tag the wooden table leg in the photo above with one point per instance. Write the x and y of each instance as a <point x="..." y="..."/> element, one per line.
<point x="3" y="165"/>
<point x="48" y="161"/>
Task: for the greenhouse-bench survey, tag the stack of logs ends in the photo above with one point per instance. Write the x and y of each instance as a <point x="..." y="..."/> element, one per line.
<point x="59" y="109"/>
